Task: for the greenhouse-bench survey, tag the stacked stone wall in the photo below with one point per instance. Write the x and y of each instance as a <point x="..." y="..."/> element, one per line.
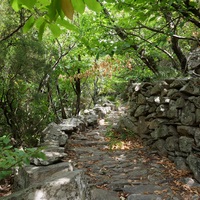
<point x="167" y="115"/>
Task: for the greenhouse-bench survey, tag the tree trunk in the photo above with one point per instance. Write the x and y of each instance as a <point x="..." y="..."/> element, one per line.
<point x="78" y="89"/>
<point x="64" y="116"/>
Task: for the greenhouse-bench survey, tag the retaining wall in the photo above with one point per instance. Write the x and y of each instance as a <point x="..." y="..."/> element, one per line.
<point x="167" y="115"/>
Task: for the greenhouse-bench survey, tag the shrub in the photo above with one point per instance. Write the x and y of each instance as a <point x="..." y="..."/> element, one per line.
<point x="11" y="157"/>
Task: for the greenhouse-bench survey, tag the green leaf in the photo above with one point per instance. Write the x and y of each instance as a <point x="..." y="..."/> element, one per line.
<point x="5" y="140"/>
<point x="39" y="22"/>
<point x="41" y="155"/>
<point x="55" y="30"/>
<point x="78" y="5"/>
<point x="28" y="4"/>
<point x="42" y="3"/>
<point x="15" y="5"/>
<point x="67" y="25"/>
<point x="52" y="10"/>
<point x="93" y="5"/>
<point x="29" y="24"/>
<point x="3" y="174"/>
<point x="41" y="30"/>
<point x="26" y="161"/>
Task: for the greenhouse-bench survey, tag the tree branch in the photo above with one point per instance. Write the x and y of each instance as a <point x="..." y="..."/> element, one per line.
<point x="15" y="31"/>
<point x="47" y="75"/>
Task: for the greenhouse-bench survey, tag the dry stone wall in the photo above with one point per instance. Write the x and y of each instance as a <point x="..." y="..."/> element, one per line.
<point x="167" y="115"/>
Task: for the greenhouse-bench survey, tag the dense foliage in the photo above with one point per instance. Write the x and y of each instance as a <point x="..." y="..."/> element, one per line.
<point x="60" y="57"/>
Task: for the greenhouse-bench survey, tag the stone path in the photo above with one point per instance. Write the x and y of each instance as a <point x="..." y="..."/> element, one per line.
<point x="136" y="173"/>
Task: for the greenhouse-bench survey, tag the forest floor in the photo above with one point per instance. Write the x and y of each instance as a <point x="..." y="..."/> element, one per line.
<point x="120" y="170"/>
<point x="127" y="169"/>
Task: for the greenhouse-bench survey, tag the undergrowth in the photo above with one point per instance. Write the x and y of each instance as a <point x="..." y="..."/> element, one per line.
<point x="119" y="140"/>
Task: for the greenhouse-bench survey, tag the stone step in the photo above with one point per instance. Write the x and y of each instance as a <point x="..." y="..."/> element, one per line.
<point x="88" y="142"/>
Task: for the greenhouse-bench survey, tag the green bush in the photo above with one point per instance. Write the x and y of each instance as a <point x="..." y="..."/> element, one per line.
<point x="11" y="157"/>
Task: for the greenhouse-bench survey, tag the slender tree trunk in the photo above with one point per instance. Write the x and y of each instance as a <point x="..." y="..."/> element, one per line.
<point x="50" y="100"/>
<point x="64" y="116"/>
<point x="95" y="91"/>
<point x="78" y="89"/>
<point x="78" y="93"/>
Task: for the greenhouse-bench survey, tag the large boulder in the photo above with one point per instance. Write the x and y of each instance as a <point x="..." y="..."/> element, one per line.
<point x="71" y="125"/>
<point x="90" y="117"/>
<point x="53" y="135"/>
<point x="61" y="185"/>
<point x="28" y="175"/>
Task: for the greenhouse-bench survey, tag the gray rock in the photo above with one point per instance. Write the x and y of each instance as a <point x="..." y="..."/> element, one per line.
<point x="187" y="117"/>
<point x="153" y="124"/>
<point x="133" y="107"/>
<point x="186" y="130"/>
<point x="173" y="94"/>
<point x="160" y="132"/>
<point x="158" y="87"/>
<point x="172" y="130"/>
<point x="53" y="155"/>
<point x="193" y="59"/>
<point x="194" y="164"/>
<point x="172" y="143"/>
<point x="53" y="135"/>
<point x="101" y="111"/>
<point x="141" y="110"/>
<point x="191" y="88"/>
<point x="178" y="83"/>
<point x="180" y="102"/>
<point x="180" y="163"/>
<point x="172" y="112"/>
<point x="62" y="139"/>
<point x="99" y="194"/>
<point x="72" y="124"/>
<point x="126" y="125"/>
<point x="142" y="189"/>
<point x="28" y="175"/>
<point x="59" y="186"/>
<point x="110" y="105"/>
<point x="195" y="100"/>
<point x="142" y="125"/>
<point x="162" y="110"/>
<point x="160" y="146"/>
<point x="197" y="116"/>
<point x="144" y="197"/>
<point x="197" y="137"/>
<point x="141" y="99"/>
<point x="91" y="120"/>
<point x="185" y="144"/>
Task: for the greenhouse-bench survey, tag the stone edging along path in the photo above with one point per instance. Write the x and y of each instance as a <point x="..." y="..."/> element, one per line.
<point x="132" y="172"/>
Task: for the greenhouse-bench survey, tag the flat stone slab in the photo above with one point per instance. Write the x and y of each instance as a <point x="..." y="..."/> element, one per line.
<point x="99" y="194"/>
<point x="143" y="197"/>
<point x="142" y="189"/>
